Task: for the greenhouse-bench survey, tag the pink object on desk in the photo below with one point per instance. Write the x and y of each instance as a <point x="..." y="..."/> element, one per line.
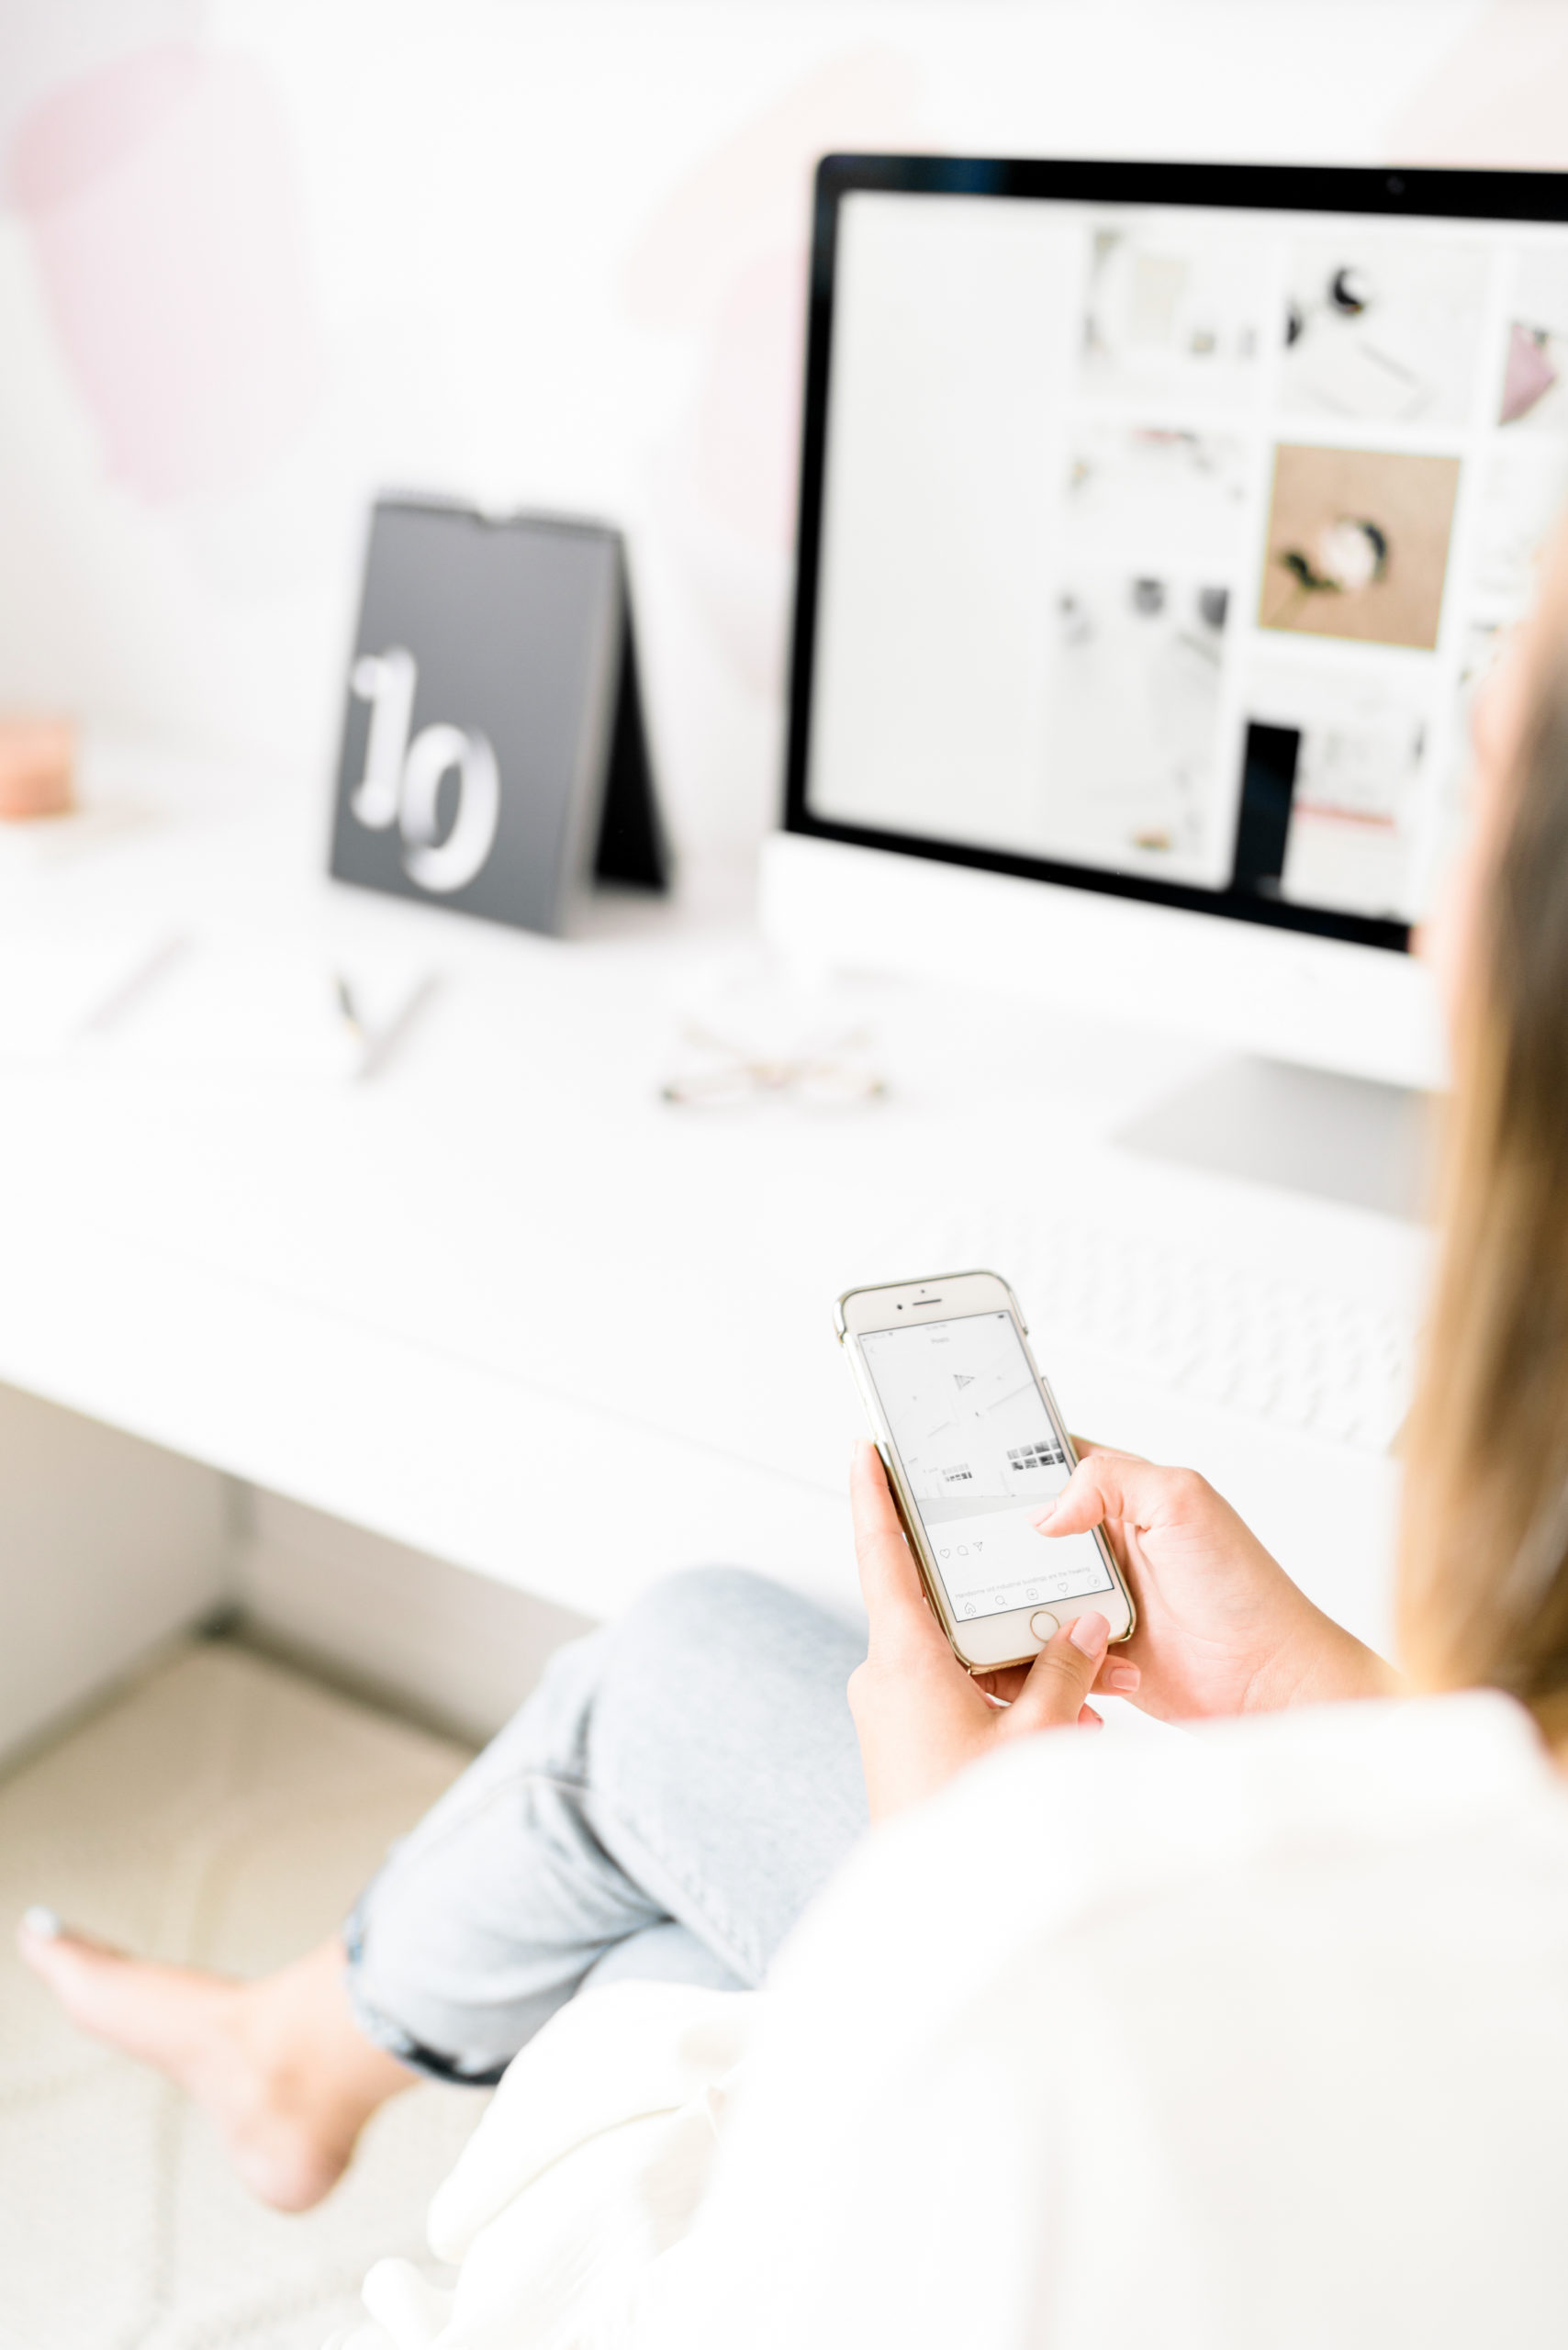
<point x="37" y="759"/>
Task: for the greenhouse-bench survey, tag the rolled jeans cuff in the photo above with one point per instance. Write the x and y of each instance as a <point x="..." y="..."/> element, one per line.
<point x="382" y="2031"/>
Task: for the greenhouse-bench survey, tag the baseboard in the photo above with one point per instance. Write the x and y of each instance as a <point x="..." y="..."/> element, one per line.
<point x="439" y="1644"/>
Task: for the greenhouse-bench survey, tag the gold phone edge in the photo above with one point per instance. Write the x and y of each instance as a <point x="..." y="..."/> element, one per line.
<point x="909" y="1516"/>
<point x="969" y="1273"/>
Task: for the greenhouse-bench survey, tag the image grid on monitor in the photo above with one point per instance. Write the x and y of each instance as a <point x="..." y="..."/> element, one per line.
<point x="1169" y="542"/>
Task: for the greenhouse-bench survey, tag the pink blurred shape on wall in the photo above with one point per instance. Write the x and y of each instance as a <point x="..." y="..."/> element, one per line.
<point x="723" y="261"/>
<point x="1500" y="94"/>
<point x="160" y="196"/>
<point x="749" y="420"/>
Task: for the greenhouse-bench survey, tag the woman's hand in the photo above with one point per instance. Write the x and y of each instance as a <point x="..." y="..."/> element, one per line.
<point x="919" y="1715"/>
<point x="1221" y="1628"/>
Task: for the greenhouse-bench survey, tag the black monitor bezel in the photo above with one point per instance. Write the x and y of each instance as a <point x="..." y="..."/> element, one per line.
<point x="1537" y="196"/>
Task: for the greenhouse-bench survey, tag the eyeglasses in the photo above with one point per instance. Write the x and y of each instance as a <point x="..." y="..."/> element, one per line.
<point x="821" y="1075"/>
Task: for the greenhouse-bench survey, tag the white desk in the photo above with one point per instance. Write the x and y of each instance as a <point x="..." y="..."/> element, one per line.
<point x="501" y="1304"/>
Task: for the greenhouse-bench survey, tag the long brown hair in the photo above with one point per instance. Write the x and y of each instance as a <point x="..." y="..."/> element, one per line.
<point x="1483" y="1567"/>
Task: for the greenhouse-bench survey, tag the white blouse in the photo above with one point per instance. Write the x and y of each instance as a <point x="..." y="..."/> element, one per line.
<point x="1253" y="2036"/>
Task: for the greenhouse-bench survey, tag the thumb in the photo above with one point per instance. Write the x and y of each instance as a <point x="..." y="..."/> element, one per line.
<point x="1114" y="1486"/>
<point x="1061" y="1675"/>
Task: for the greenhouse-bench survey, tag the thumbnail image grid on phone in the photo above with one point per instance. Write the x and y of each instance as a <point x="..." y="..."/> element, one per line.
<point x="980" y="1455"/>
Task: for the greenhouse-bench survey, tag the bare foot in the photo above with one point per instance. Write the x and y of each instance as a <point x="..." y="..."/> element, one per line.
<point x="280" y="2065"/>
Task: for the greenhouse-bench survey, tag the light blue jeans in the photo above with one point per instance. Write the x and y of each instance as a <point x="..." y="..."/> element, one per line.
<point x="663" y="1806"/>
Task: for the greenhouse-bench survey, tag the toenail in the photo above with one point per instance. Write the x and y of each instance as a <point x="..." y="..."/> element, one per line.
<point x="45" y="1923"/>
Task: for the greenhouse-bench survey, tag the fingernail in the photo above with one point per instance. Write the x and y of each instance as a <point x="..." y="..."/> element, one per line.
<point x="1123" y="1676"/>
<point x="1089" y="1634"/>
<point x="1047" y="1509"/>
<point x="45" y="1923"/>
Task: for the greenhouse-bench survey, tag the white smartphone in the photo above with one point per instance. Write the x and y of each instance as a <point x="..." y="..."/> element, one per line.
<point x="973" y="1443"/>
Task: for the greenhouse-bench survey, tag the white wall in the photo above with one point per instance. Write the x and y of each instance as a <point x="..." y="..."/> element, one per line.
<point x="110" y="1546"/>
<point x="258" y="257"/>
<point x="107" y="1545"/>
<point x="459" y="1649"/>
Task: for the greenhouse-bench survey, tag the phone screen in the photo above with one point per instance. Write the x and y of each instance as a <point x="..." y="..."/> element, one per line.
<point x="979" y="1454"/>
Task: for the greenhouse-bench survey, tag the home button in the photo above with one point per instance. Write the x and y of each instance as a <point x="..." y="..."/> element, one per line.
<point x="1041" y="1623"/>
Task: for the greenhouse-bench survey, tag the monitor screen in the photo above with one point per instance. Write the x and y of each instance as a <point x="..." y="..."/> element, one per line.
<point x="1157" y="522"/>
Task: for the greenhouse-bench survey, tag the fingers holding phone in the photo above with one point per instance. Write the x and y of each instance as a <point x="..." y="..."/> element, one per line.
<point x="990" y="1551"/>
<point x="920" y="1716"/>
<point x="1222" y="1628"/>
<point x="972" y="1442"/>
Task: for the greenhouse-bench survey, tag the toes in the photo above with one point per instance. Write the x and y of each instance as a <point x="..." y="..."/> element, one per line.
<point x="43" y="1936"/>
<point x="78" y="1970"/>
<point x="42" y="1940"/>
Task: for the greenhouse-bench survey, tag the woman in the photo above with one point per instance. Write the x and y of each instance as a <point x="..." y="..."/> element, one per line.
<point x="1256" y="2036"/>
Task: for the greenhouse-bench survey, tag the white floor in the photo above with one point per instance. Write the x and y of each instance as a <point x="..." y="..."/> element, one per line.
<point x="224" y="1810"/>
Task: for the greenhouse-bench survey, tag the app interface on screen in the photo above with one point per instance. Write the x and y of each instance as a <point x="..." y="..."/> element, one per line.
<point x="1174" y="541"/>
<point x="974" y="1440"/>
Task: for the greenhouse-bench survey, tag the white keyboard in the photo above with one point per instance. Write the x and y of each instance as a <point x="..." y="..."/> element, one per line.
<point x="1288" y="1352"/>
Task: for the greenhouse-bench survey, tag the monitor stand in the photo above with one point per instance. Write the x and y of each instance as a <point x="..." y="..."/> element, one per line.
<point x="1347" y="1138"/>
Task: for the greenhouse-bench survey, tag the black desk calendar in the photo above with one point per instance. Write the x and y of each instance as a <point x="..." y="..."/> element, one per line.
<point x="494" y="756"/>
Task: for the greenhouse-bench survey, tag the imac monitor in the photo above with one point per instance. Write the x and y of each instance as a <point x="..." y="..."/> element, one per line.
<point x="1156" y="524"/>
